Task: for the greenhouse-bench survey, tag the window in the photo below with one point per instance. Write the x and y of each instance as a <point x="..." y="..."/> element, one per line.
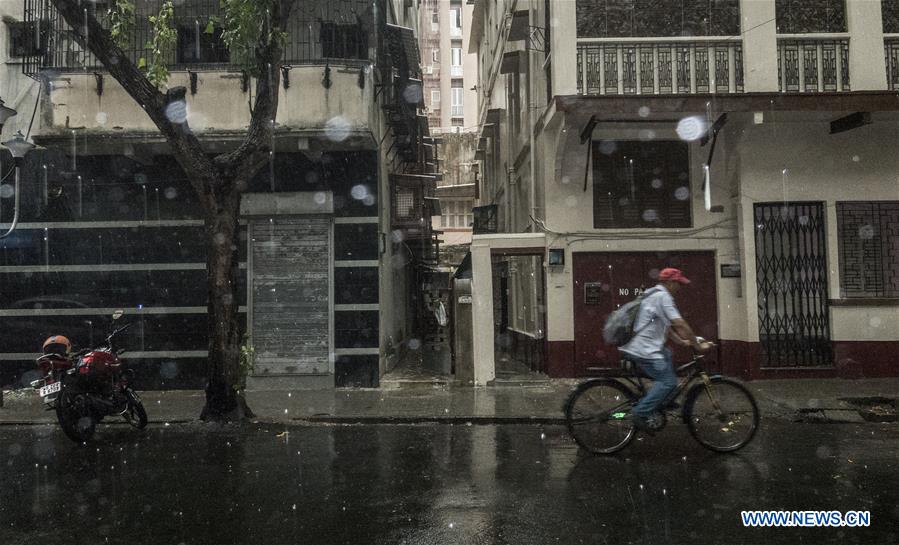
<point x="435" y="99"/>
<point x="343" y="41"/>
<point x="456" y="22"/>
<point x="435" y="55"/>
<point x="457" y="109"/>
<point x="195" y="45"/>
<point x="890" y="13"/>
<point x="25" y="39"/>
<point x="513" y="86"/>
<point x="641" y="184"/>
<point x="869" y="248"/>
<point x="805" y="16"/>
<point x="662" y="18"/>
<point x="456" y="65"/>
<point x="435" y="21"/>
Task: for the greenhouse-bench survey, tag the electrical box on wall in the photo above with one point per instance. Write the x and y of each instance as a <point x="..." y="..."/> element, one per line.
<point x="556" y="257"/>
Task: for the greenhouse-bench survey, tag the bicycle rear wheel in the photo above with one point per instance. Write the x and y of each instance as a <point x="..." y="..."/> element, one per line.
<point x="597" y="414"/>
<point x="722" y="416"/>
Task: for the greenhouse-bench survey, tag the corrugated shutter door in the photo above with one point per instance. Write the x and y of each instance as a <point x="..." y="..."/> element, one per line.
<point x="291" y="295"/>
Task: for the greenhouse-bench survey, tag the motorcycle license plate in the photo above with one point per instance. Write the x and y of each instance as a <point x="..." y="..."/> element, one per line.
<point x="50" y="389"/>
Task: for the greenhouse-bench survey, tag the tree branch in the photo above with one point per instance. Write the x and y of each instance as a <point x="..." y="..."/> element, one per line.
<point x="253" y="152"/>
<point x="184" y="144"/>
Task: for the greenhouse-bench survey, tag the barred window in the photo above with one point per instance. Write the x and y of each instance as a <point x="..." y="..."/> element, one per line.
<point x="808" y="16"/>
<point x="641" y="184"/>
<point x="890" y="11"/>
<point x="665" y="18"/>
<point x="25" y="39"/>
<point x="869" y="248"/>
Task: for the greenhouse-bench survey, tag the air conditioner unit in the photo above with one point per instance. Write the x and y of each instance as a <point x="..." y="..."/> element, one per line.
<point x="429" y="70"/>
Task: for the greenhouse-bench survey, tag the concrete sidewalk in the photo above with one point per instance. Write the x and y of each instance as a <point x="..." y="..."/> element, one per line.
<point x="798" y="399"/>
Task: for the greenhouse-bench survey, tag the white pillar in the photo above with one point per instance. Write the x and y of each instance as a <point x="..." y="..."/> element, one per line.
<point x="563" y="36"/>
<point x="867" y="68"/>
<point x="482" y="313"/>
<point x="759" y="29"/>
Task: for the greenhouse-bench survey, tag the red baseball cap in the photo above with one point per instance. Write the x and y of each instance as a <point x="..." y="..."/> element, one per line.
<point x="673" y="274"/>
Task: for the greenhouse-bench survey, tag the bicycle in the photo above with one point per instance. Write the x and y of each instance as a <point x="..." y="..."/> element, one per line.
<point x="720" y="413"/>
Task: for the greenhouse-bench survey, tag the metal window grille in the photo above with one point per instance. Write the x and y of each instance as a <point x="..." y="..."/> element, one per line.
<point x="791" y="282"/>
<point x="891" y="51"/>
<point x="869" y="248"/>
<point x="659" y="68"/>
<point x="318" y="31"/>
<point x="813" y="65"/>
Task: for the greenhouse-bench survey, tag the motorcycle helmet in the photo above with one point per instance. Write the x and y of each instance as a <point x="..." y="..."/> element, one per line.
<point x="57" y="344"/>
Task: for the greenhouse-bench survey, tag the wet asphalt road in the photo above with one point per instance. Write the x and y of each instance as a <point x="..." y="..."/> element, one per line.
<point x="435" y="484"/>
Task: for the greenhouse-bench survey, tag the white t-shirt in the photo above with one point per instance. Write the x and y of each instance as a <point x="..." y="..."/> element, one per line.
<point x="656" y="314"/>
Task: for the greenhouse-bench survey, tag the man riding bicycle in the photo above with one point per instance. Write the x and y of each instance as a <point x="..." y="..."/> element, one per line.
<point x="657" y="321"/>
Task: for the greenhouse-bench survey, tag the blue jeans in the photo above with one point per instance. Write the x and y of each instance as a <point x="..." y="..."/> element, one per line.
<point x="664" y="382"/>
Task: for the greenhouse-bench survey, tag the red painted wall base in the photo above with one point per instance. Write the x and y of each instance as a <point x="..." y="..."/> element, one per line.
<point x="852" y="359"/>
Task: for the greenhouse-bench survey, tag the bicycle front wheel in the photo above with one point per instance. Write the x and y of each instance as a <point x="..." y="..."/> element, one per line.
<point x="722" y="415"/>
<point x="597" y="414"/>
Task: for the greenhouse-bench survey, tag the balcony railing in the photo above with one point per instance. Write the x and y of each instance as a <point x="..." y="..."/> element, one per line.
<point x="658" y="67"/>
<point x="891" y="51"/>
<point x="813" y="64"/>
<point x="457" y="110"/>
<point x="318" y="32"/>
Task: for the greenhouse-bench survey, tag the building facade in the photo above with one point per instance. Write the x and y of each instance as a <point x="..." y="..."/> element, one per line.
<point x="449" y="78"/>
<point x="335" y="230"/>
<point x="742" y="141"/>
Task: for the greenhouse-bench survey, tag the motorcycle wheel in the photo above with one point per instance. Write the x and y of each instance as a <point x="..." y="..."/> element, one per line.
<point x="135" y="414"/>
<point x="74" y="414"/>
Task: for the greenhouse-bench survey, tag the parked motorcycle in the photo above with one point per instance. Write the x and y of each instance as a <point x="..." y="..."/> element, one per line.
<point x="87" y="386"/>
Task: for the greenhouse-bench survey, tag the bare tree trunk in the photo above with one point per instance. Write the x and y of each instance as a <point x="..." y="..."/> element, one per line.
<point x="223" y="401"/>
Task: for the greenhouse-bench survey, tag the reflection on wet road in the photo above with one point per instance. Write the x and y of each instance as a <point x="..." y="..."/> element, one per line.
<point x="430" y="484"/>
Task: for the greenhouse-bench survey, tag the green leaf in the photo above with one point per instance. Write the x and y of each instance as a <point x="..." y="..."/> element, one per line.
<point x="210" y="27"/>
<point x="141" y="63"/>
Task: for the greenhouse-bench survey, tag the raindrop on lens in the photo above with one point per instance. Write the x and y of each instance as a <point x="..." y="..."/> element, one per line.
<point x="643" y="111"/>
<point x="6" y="191"/>
<point x="656" y="183"/>
<point x="337" y="129"/>
<point x="171" y="193"/>
<point x="866" y="232"/>
<point x="101" y="118"/>
<point x="359" y="192"/>
<point x="691" y="128"/>
<point x="176" y="112"/>
<point x="414" y="344"/>
<point x="571" y="201"/>
<point x="650" y="215"/>
<point x="320" y="197"/>
<point x="682" y="193"/>
<point x="607" y="147"/>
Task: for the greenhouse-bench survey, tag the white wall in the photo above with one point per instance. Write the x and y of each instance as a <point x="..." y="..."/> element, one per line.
<point x="305" y="105"/>
<point x="17" y="90"/>
<point x="849" y="166"/>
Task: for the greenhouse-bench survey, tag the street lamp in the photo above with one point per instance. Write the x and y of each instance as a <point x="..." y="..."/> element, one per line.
<point x="19" y="148"/>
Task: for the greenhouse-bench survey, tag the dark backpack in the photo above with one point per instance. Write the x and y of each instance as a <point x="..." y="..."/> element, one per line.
<point x="619" y="327"/>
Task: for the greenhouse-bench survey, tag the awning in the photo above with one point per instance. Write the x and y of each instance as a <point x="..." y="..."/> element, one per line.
<point x="520" y="22"/>
<point x="477" y="26"/>
<point x="624" y="107"/>
<point x="511" y="63"/>
<point x="403" y="48"/>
